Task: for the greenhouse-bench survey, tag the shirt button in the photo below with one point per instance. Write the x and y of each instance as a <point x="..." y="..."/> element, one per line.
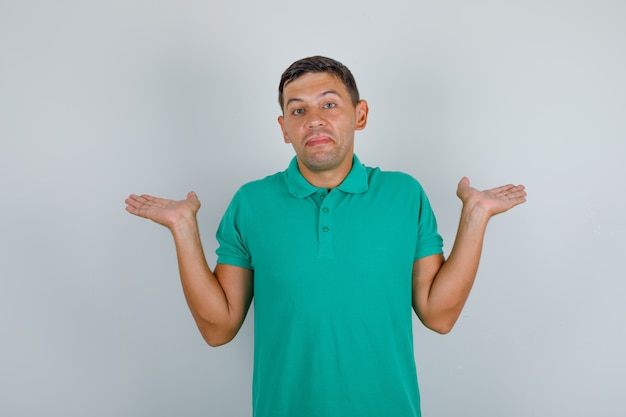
<point x="324" y="229"/>
<point x="322" y="196"/>
<point x="325" y="209"/>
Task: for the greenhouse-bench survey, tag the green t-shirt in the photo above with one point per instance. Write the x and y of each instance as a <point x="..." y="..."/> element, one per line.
<point x="332" y="290"/>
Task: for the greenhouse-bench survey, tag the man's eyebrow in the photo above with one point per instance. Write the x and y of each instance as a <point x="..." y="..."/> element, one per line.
<point x="325" y="93"/>
<point x="330" y="92"/>
<point x="291" y="100"/>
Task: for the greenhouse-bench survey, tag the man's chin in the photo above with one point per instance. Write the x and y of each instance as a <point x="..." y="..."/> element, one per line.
<point x="320" y="164"/>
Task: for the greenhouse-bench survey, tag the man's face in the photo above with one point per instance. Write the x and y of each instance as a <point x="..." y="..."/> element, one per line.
<point x="319" y="120"/>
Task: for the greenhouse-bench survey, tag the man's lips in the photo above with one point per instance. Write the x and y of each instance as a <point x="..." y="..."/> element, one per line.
<point x="318" y="140"/>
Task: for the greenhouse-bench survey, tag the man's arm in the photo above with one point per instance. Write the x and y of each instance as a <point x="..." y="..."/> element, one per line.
<point x="218" y="300"/>
<point x="441" y="287"/>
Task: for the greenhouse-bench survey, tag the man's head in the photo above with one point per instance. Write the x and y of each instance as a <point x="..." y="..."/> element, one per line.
<point x="321" y="110"/>
<point x="318" y="64"/>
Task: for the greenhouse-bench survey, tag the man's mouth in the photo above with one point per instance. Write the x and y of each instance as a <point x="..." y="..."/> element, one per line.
<point x="319" y="139"/>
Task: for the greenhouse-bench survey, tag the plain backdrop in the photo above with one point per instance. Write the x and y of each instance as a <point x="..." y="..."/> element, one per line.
<point x="101" y="99"/>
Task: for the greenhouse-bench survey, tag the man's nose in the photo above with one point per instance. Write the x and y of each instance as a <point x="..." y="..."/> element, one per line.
<point x="315" y="120"/>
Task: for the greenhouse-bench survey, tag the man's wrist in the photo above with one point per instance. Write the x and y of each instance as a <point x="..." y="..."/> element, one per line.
<point x="186" y="225"/>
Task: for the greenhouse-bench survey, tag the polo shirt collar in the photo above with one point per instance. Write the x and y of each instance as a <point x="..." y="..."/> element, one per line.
<point x="354" y="183"/>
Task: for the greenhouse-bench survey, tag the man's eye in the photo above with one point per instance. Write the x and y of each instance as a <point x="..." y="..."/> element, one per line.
<point x="329" y="105"/>
<point x="297" y="111"/>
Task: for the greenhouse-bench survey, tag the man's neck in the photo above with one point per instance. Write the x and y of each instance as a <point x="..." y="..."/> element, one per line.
<point x="328" y="179"/>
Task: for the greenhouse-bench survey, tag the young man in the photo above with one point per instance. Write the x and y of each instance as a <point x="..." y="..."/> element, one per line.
<point x="336" y="254"/>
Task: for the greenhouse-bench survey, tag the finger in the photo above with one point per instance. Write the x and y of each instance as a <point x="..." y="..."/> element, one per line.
<point x="132" y="200"/>
<point x="136" y="200"/>
<point x="138" y="205"/>
<point x="132" y="208"/>
<point x="519" y="192"/>
<point x="517" y="201"/>
<point x="515" y="192"/>
<point x="508" y="191"/>
<point x="501" y="189"/>
<point x="517" y="197"/>
<point x="151" y="201"/>
<point x="146" y="198"/>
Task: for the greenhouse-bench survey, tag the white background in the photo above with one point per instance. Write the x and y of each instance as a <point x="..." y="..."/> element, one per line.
<point x="102" y="99"/>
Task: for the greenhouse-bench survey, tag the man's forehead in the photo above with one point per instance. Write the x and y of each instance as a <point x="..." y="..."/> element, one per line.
<point x="314" y="84"/>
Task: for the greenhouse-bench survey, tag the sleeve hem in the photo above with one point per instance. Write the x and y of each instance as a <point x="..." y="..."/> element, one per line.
<point x="234" y="261"/>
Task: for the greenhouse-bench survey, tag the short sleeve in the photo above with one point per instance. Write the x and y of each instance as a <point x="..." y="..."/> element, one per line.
<point x="429" y="241"/>
<point x="231" y="249"/>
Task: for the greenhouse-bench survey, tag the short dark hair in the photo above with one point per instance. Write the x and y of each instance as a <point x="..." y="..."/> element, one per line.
<point x="317" y="64"/>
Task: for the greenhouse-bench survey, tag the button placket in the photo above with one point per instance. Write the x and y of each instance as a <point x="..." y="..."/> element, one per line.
<point x="325" y="225"/>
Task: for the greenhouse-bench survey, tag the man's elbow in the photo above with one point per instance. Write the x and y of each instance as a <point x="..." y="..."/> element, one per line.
<point x="440" y="326"/>
<point x="214" y="340"/>
<point x="441" y="329"/>
<point x="216" y="336"/>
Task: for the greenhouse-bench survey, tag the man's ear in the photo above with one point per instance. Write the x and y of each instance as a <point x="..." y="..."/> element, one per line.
<point x="361" y="114"/>
<point x="281" y="122"/>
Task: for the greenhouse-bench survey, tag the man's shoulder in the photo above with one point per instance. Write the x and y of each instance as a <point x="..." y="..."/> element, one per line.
<point x="270" y="183"/>
<point x="380" y="177"/>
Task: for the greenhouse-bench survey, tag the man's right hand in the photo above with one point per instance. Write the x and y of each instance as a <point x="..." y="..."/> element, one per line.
<point x="219" y="301"/>
<point x="165" y="212"/>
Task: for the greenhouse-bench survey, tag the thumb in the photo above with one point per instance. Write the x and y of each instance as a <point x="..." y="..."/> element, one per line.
<point x="192" y="197"/>
<point x="462" y="188"/>
<point x="465" y="182"/>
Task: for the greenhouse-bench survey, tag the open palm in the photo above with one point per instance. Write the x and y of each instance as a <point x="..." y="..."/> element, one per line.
<point x="162" y="211"/>
<point x="493" y="201"/>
